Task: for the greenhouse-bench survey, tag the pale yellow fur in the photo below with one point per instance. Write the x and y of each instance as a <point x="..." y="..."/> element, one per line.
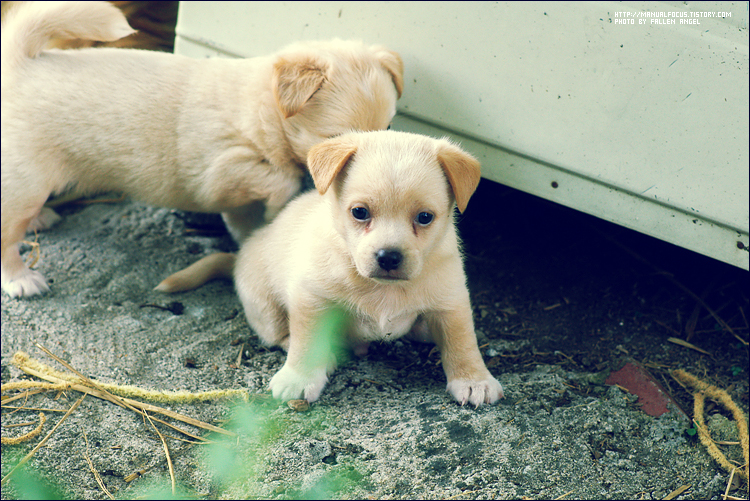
<point x="316" y="255"/>
<point x="207" y="135"/>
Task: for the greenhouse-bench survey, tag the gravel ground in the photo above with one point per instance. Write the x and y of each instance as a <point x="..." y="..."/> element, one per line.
<point x="558" y="306"/>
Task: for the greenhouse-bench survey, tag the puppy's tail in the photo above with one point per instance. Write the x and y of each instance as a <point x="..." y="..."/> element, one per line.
<point x="29" y="26"/>
<point x="218" y="265"/>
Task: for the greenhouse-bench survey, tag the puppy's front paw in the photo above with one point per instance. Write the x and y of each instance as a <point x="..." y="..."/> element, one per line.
<point x="288" y="384"/>
<point x="30" y="283"/>
<point x="487" y="391"/>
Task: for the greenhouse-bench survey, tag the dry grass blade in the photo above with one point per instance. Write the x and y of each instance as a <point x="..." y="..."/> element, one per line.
<point x="71" y="369"/>
<point x="85" y="385"/>
<point x="18" y="425"/>
<point x="239" y="356"/>
<point x="35" y="253"/>
<point x="93" y="470"/>
<point x="44" y="440"/>
<point x="18" y="385"/>
<point x="677" y="492"/>
<point x="45" y="409"/>
<point x="684" y="343"/>
<point x="166" y="451"/>
<point x="128" y="391"/>
<point x="729" y="484"/>
<point x="23" y="362"/>
<point x="134" y="405"/>
<point x="25" y="395"/>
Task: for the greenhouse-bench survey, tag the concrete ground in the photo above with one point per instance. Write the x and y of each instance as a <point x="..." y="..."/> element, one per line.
<point x="385" y="426"/>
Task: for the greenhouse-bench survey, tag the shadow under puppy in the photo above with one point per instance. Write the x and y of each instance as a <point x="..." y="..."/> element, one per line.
<point x="378" y="240"/>
<point x="204" y="135"/>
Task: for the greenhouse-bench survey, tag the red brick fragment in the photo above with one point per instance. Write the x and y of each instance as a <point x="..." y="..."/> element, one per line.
<point x="636" y="379"/>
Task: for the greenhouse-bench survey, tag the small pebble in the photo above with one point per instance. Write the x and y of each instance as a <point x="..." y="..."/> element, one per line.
<point x="299" y="405"/>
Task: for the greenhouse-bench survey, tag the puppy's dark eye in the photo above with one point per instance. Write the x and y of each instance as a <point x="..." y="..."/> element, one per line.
<point x="424" y="218"/>
<point x="360" y="213"/>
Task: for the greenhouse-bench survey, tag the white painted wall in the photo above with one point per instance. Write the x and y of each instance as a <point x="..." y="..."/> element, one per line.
<point x="642" y="124"/>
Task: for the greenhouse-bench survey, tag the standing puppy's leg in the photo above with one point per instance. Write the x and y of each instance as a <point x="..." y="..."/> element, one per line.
<point x="46" y="219"/>
<point x="17" y="279"/>
<point x="468" y="377"/>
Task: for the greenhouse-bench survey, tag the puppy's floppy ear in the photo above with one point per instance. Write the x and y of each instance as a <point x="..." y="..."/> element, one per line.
<point x="392" y="62"/>
<point x="462" y="170"/>
<point x="295" y="80"/>
<point x="326" y="160"/>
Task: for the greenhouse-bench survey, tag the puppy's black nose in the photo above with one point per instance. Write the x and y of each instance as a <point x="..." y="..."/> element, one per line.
<point x="389" y="259"/>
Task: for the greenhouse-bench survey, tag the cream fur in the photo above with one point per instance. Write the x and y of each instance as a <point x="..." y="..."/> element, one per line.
<point x="316" y="255"/>
<point x="207" y="135"/>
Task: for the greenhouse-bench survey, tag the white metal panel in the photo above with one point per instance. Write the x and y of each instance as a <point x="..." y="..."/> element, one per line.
<point x="642" y="124"/>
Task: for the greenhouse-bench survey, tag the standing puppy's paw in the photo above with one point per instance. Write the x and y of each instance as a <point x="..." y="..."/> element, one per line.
<point x="288" y="384"/>
<point x="30" y="283"/>
<point x="487" y="391"/>
<point x="46" y="218"/>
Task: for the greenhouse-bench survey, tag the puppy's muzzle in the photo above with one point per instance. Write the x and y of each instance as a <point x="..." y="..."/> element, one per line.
<point x="390" y="263"/>
<point x="389" y="259"/>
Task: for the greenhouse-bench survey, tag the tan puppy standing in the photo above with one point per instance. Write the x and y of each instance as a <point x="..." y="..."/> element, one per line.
<point x="378" y="240"/>
<point x="206" y="135"/>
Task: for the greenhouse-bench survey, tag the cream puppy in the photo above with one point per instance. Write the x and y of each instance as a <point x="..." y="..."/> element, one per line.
<point x="378" y="241"/>
<point x="206" y="135"/>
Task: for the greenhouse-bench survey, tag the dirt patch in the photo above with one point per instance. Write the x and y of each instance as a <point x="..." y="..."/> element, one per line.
<point x="584" y="294"/>
<point x="558" y="307"/>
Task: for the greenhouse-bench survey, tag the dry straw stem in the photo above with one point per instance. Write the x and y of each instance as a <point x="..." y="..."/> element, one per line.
<point x="45" y="409"/>
<point x="722" y="397"/>
<point x="81" y="383"/>
<point x="99" y="390"/>
<point x="130" y="404"/>
<point x="42" y="387"/>
<point x="677" y="492"/>
<point x="681" y="342"/>
<point x="35" y="253"/>
<point x="166" y="451"/>
<point x="162" y="397"/>
<point x="44" y="440"/>
<point x="93" y="470"/>
<point x="729" y="485"/>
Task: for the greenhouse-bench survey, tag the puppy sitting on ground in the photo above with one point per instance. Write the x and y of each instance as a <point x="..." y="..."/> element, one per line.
<point x="378" y="241"/>
<point x="205" y="135"/>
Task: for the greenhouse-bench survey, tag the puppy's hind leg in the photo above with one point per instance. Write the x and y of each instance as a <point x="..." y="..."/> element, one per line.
<point x="242" y="221"/>
<point x="219" y="265"/>
<point x="280" y="197"/>
<point x="266" y="317"/>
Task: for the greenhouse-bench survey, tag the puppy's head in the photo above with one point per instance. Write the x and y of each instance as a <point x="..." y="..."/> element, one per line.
<point x="324" y="89"/>
<point x="392" y="196"/>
